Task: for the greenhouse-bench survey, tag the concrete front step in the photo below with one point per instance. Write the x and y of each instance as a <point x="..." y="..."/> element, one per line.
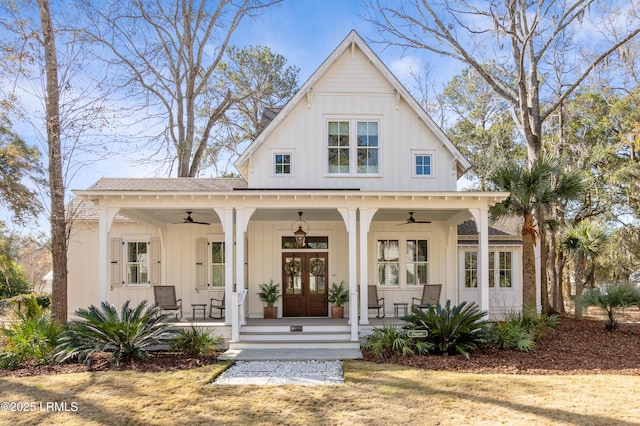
<point x="289" y="354"/>
<point x="287" y="328"/>
<point x="289" y="336"/>
<point x="294" y="344"/>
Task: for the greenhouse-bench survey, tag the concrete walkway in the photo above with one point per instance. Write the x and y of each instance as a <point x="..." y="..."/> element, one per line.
<point x="275" y="373"/>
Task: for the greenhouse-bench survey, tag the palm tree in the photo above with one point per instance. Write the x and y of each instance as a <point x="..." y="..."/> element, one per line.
<point x="584" y="241"/>
<point x="534" y="190"/>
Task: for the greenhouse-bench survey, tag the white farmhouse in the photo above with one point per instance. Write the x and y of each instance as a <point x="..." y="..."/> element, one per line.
<point x="354" y="163"/>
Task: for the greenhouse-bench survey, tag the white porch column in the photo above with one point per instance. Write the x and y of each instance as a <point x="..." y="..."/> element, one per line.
<point x="366" y="215"/>
<point x="349" y="217"/>
<point x="226" y="217"/>
<point x="105" y="220"/>
<point x="242" y="221"/>
<point x="481" y="217"/>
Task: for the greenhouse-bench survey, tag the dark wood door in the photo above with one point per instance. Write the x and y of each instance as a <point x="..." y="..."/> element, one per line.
<point x="304" y="278"/>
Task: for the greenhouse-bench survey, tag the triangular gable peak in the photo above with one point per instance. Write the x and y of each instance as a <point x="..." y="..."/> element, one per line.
<point x="366" y="76"/>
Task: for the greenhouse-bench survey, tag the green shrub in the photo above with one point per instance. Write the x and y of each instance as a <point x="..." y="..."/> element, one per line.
<point x="521" y="331"/>
<point x="512" y="336"/>
<point x="458" y="329"/>
<point x="612" y="299"/>
<point x="29" y="337"/>
<point x="127" y="335"/>
<point x="392" y="338"/>
<point x="33" y="309"/>
<point x="195" y="341"/>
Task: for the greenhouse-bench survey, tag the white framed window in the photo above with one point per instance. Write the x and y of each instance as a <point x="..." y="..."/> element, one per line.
<point x="470" y="269"/>
<point x="211" y="262"/>
<point x="344" y="157"/>
<point x="282" y="163"/>
<point x="422" y="164"/>
<point x="217" y="264"/>
<point x="367" y="151"/>
<point x="402" y="261"/>
<point x="417" y="264"/>
<point x="136" y="263"/>
<point x="388" y="262"/>
<point x="500" y="269"/>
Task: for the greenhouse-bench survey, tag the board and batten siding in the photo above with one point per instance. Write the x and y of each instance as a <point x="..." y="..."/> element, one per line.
<point x="264" y="262"/>
<point x="353" y="88"/>
<point x="439" y="259"/>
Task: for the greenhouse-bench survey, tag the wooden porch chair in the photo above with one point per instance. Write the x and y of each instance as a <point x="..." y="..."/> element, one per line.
<point x="165" y="297"/>
<point x="219" y="305"/>
<point x="375" y="302"/>
<point x="430" y="296"/>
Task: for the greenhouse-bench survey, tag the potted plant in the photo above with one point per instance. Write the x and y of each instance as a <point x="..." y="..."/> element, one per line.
<point x="269" y="294"/>
<point x="338" y="296"/>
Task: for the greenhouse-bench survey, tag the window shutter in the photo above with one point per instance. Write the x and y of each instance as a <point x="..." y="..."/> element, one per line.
<point x="154" y="259"/>
<point x="201" y="262"/>
<point x="117" y="251"/>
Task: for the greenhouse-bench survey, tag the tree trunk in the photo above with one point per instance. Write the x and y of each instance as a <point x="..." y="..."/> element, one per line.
<point x="56" y="183"/>
<point x="528" y="264"/>
<point x="553" y="273"/>
<point x="579" y="279"/>
<point x="544" y="263"/>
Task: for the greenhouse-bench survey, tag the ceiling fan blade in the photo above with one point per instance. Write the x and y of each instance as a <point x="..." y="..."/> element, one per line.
<point x="189" y="220"/>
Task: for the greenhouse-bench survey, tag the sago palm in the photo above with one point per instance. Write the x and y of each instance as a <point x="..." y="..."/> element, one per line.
<point x="126" y="335"/>
<point x="533" y="189"/>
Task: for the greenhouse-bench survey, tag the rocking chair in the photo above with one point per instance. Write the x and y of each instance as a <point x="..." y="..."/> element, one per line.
<point x="219" y="306"/>
<point x="165" y="297"/>
<point x="374" y="302"/>
<point x="430" y="296"/>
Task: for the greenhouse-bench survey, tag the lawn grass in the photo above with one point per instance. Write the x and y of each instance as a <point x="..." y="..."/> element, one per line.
<point x="373" y="394"/>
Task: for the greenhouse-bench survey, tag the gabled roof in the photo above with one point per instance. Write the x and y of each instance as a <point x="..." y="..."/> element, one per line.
<point x="352" y="38"/>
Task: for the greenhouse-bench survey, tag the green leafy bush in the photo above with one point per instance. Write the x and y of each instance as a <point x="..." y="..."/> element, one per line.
<point x="195" y="341"/>
<point x="512" y="336"/>
<point x="392" y="338"/>
<point x="521" y="331"/>
<point x="32" y="336"/>
<point x="127" y="335"/>
<point x="612" y="299"/>
<point x="458" y="329"/>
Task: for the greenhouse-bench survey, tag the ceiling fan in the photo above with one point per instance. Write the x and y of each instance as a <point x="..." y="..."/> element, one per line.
<point x="189" y="219"/>
<point x="411" y="219"/>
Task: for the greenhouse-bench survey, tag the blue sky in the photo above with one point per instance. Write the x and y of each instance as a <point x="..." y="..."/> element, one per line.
<point x="305" y="32"/>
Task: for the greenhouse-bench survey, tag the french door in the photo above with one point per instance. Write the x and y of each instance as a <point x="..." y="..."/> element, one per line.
<point x="304" y="282"/>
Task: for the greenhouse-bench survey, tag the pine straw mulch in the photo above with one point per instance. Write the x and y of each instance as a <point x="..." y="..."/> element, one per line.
<point x="580" y="347"/>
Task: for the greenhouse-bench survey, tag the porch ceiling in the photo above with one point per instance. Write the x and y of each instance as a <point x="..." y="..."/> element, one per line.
<point x="176" y="215"/>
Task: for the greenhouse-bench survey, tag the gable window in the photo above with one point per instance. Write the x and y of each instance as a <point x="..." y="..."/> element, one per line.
<point x="338" y="147"/>
<point x="367" y="147"/>
<point x="417" y="262"/>
<point x="282" y="164"/>
<point x="346" y="157"/>
<point x="217" y="264"/>
<point x="422" y="165"/>
<point x="388" y="262"/>
<point x="137" y="263"/>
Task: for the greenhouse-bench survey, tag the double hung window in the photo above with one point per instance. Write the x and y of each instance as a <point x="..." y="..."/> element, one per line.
<point x="217" y="269"/>
<point x="402" y="262"/>
<point x="348" y="157"/>
<point x="137" y="263"/>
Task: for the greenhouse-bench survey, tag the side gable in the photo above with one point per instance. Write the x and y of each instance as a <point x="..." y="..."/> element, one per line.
<point x="351" y="82"/>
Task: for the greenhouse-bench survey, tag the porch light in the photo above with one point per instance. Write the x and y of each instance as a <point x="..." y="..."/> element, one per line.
<point x="300" y="234"/>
